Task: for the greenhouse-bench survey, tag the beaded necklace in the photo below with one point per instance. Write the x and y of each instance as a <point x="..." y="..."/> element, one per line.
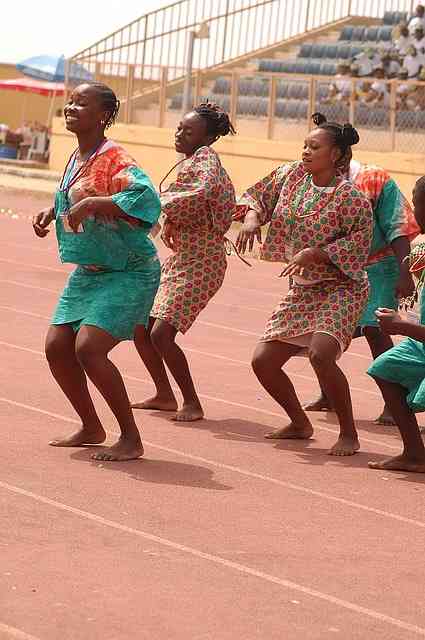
<point x="68" y="178"/>
<point x="309" y="208"/>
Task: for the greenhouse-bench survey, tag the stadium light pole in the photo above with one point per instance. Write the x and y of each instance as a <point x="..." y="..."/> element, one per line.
<point x="201" y="33"/>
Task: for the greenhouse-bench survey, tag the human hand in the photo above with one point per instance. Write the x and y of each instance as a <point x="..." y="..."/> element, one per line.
<point x="298" y="263"/>
<point x="168" y="236"/>
<point x="389" y="320"/>
<point x="79" y="212"/>
<point x="41" y="221"/>
<point x="251" y="230"/>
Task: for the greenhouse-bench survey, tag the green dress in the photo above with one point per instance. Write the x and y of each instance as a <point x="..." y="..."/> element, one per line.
<point x="404" y="364"/>
<point x="118" y="270"/>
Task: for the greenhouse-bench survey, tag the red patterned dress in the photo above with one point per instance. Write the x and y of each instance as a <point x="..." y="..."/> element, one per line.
<point x="200" y="204"/>
<point x="329" y="298"/>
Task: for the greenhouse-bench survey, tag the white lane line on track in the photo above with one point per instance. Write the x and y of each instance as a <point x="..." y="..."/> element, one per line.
<point x="375" y="394"/>
<point x="26" y="247"/>
<point x="239" y="470"/>
<point x="34" y="266"/>
<point x="217" y="560"/>
<point x="16" y="634"/>
<point x="220" y="400"/>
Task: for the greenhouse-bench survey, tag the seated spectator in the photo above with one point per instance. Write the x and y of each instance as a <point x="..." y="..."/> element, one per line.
<point x="412" y="62"/>
<point x="418" y="19"/>
<point x="379" y="93"/>
<point x="363" y="92"/>
<point x="340" y="90"/>
<point x="404" y="92"/>
<point x="403" y="40"/>
<point x="417" y="95"/>
<point x="390" y="63"/>
<point x="419" y="40"/>
<point x="367" y="60"/>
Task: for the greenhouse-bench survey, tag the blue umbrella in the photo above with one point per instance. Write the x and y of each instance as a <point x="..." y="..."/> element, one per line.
<point x="52" y="69"/>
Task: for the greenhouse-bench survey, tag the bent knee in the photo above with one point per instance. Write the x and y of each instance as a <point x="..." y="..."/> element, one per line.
<point x="319" y="359"/>
<point x="260" y="364"/>
<point x="162" y="336"/>
<point x="56" y="348"/>
<point x="86" y="352"/>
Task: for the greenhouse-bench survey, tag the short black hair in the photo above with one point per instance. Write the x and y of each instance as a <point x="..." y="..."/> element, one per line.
<point x="108" y="100"/>
<point x="217" y="120"/>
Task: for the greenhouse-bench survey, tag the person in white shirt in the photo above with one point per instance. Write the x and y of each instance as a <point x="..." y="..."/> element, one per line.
<point x="419" y="40"/>
<point x="340" y="89"/>
<point x="379" y="89"/>
<point x="412" y="62"/>
<point x="418" y="19"/>
<point x="367" y="61"/>
<point x="404" y="39"/>
<point x="390" y="63"/>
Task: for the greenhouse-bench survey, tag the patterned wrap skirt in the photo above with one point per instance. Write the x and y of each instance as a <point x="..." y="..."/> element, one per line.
<point x="330" y="307"/>
<point x="186" y="288"/>
<point x="115" y="301"/>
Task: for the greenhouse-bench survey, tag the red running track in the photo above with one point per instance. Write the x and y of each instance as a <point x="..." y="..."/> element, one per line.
<point x="216" y="534"/>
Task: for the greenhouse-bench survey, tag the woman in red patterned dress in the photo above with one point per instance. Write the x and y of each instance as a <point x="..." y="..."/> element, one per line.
<point x="198" y="209"/>
<point x="321" y="227"/>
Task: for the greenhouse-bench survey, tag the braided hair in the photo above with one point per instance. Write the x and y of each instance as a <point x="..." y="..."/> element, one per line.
<point x="216" y="119"/>
<point x="108" y="100"/>
<point x="343" y="136"/>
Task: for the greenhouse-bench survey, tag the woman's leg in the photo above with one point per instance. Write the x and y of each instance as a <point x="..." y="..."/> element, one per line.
<point x="323" y="352"/>
<point x="92" y="347"/>
<point x="163" y="339"/>
<point x="413" y="456"/>
<point x="164" y="399"/>
<point x="379" y="343"/>
<point x="267" y="363"/>
<point x="68" y="373"/>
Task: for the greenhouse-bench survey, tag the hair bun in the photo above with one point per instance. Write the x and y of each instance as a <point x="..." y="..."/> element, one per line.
<point x="318" y="119"/>
<point x="350" y="135"/>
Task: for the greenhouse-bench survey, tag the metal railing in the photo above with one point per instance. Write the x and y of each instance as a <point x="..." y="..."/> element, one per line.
<point x="236" y="28"/>
<point x="278" y="106"/>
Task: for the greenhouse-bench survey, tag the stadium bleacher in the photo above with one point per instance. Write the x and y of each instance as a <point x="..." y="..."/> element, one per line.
<point x="322" y="59"/>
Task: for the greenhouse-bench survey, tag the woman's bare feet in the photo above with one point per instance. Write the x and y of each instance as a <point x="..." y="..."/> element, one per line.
<point x="189" y="413"/>
<point x="400" y="463"/>
<point x="124" y="449"/>
<point x="83" y="436"/>
<point x="321" y="404"/>
<point x="157" y="403"/>
<point x="385" y="418"/>
<point x="291" y="432"/>
<point x="345" y="446"/>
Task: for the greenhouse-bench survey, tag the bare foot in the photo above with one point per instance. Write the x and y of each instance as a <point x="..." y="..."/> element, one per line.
<point x="385" y="419"/>
<point x="122" y="450"/>
<point x="321" y="404"/>
<point x="157" y="404"/>
<point x="345" y="446"/>
<point x="291" y="432"/>
<point x="81" y="437"/>
<point x="189" y="413"/>
<point x="400" y="463"/>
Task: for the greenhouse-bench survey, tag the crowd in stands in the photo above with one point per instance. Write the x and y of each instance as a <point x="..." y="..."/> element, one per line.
<point x="401" y="58"/>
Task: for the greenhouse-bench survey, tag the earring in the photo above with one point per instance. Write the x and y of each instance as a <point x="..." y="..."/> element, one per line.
<point x="102" y="122"/>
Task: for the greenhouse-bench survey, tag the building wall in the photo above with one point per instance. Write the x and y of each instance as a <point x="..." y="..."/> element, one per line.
<point x="16" y="106"/>
<point x="246" y="159"/>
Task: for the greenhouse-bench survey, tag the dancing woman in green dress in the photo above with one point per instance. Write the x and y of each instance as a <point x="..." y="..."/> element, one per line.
<point x="104" y="210"/>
